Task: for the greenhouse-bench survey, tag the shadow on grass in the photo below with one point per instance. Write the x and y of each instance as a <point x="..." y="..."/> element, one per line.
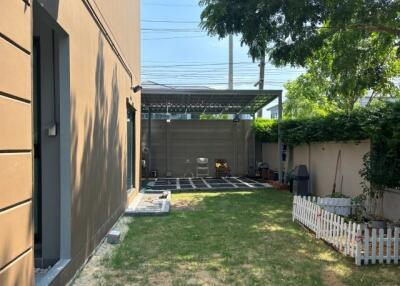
<point x="237" y="238"/>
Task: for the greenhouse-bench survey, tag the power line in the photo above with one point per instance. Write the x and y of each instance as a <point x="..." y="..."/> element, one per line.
<point x="171" y="30"/>
<point x="217" y="81"/>
<point x="169" y="5"/>
<point x="168" y="21"/>
<point x="241" y="74"/>
<point x="170" y="38"/>
<point x="214" y="70"/>
<point x="210" y="69"/>
<point x="206" y="63"/>
<point x="192" y="65"/>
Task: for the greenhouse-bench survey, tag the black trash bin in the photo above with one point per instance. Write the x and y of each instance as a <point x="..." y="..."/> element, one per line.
<point x="300" y="181"/>
<point x="290" y="177"/>
<point x="263" y="169"/>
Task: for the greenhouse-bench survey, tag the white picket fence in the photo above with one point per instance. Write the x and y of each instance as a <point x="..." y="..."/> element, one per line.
<point x="349" y="238"/>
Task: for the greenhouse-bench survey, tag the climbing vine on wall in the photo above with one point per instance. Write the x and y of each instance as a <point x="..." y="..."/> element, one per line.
<point x="381" y="124"/>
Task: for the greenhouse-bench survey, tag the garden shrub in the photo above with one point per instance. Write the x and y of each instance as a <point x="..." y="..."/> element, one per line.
<point x="381" y="124"/>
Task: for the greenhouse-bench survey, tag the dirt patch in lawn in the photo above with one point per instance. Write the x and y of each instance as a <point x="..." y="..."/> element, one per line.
<point x="161" y="279"/>
<point x="185" y="205"/>
<point x="204" y="278"/>
<point x="329" y="278"/>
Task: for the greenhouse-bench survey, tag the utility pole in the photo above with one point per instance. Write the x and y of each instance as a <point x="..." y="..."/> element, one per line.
<point x="230" y="76"/>
<point x="262" y="73"/>
<point x="258" y="155"/>
<point x="261" y="81"/>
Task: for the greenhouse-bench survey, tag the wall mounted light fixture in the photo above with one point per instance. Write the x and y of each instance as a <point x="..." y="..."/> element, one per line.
<point x="137" y="88"/>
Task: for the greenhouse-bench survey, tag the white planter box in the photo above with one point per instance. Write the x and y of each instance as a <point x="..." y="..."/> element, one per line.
<point x="339" y="206"/>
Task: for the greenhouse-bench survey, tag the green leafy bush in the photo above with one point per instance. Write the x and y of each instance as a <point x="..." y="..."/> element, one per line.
<point x="380" y="123"/>
<point x="333" y="127"/>
<point x="266" y="129"/>
<point x="382" y="165"/>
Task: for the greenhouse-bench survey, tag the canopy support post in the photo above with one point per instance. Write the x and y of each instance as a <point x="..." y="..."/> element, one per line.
<point x="280" y="147"/>
<point x="149" y="142"/>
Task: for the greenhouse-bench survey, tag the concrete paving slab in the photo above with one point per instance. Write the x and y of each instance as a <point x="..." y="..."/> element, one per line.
<point x="150" y="204"/>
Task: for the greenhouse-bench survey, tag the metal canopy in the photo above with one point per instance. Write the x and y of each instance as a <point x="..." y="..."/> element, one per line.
<point x="209" y="101"/>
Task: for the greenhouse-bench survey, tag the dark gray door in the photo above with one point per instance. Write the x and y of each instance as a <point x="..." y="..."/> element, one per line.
<point x="131" y="148"/>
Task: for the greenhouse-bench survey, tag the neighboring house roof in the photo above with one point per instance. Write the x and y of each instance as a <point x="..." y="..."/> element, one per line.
<point x="152" y="84"/>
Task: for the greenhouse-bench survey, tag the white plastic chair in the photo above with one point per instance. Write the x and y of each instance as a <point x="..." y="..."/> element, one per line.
<point x="202" y="169"/>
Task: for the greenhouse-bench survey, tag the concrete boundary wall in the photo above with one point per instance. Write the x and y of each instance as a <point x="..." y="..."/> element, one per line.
<point x="172" y="144"/>
<point x="321" y="158"/>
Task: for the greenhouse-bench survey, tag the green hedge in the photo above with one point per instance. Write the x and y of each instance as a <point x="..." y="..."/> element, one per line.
<point x="381" y="124"/>
<point x="356" y="126"/>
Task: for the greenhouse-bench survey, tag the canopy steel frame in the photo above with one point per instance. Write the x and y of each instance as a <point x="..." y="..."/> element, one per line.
<point x="209" y="101"/>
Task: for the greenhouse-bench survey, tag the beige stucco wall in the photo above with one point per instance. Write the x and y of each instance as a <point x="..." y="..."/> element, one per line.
<point x="270" y="155"/>
<point x="321" y="158"/>
<point x="391" y="205"/>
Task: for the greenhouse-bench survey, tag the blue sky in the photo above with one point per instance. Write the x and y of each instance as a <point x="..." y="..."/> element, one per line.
<point x="176" y="51"/>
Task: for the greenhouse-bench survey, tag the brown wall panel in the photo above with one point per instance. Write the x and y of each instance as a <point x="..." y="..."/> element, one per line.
<point x="16" y="229"/>
<point x="122" y="20"/>
<point x="15" y="125"/>
<point x="100" y="87"/>
<point x="15" y="178"/>
<point x="19" y="272"/>
<point x="15" y="71"/>
<point x="16" y="22"/>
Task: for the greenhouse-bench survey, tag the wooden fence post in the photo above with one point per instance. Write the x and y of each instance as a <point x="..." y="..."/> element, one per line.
<point x="389" y="246"/>
<point x="373" y="254"/>
<point x="348" y="238"/>
<point x="381" y="241"/>
<point x="353" y="240"/>
<point x="294" y="208"/>
<point x="396" y="240"/>
<point x="366" y="246"/>
<point x="341" y="234"/>
<point x="358" y="246"/>
<point x="319" y="218"/>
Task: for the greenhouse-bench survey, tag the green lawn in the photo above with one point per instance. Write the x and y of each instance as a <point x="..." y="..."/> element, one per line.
<point x="233" y="238"/>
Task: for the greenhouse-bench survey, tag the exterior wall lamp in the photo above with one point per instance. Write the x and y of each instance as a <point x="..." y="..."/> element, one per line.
<point x="137" y="88"/>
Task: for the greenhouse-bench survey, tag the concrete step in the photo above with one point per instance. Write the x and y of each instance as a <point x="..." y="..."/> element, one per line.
<point x="150" y="204"/>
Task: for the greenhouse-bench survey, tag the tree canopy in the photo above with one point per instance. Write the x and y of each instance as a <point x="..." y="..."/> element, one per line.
<point x="345" y="69"/>
<point x="349" y="47"/>
<point x="306" y="98"/>
<point x="291" y="31"/>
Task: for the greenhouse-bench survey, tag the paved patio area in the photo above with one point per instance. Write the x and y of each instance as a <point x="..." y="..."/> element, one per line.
<point x="187" y="184"/>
